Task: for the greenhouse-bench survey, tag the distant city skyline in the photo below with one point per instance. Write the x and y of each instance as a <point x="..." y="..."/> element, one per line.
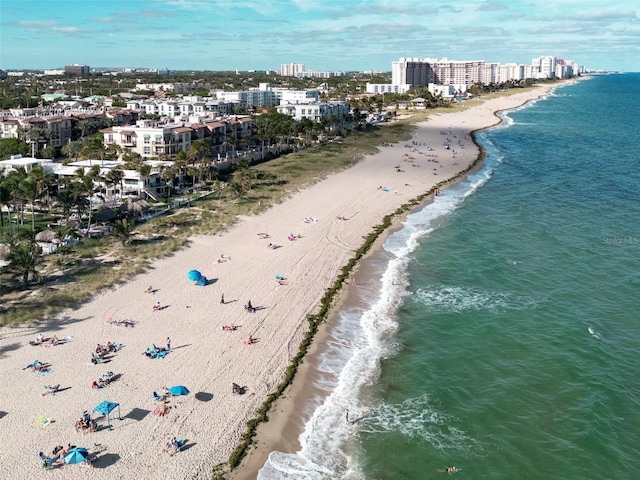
<point x="330" y="35"/>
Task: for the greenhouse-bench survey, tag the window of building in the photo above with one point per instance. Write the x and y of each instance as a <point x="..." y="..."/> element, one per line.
<point x="147" y="150"/>
<point x="147" y="138"/>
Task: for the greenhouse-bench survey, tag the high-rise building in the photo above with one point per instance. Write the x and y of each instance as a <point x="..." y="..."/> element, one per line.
<point x="77" y="69"/>
<point x="546" y="66"/>
<point x="291" y="69"/>
<point x="412" y="71"/>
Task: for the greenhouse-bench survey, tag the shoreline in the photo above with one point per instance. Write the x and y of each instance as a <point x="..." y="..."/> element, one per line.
<point x="204" y="357"/>
<point x="287" y="417"/>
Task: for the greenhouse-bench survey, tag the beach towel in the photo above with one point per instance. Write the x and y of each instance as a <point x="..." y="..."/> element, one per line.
<point x="43" y="421"/>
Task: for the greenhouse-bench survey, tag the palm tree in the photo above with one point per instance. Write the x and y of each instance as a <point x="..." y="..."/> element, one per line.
<point x="123" y="230"/>
<point x="5" y="201"/>
<point x="66" y="199"/>
<point x="180" y="163"/>
<point x="85" y="189"/>
<point x="145" y="171"/>
<point x="13" y="183"/>
<point x="29" y="192"/>
<point x="23" y="259"/>
<point x="231" y="141"/>
<point x="71" y="150"/>
<point x="243" y="176"/>
<point x="168" y="174"/>
<point x="114" y="177"/>
<point x="94" y="148"/>
<point x="43" y="180"/>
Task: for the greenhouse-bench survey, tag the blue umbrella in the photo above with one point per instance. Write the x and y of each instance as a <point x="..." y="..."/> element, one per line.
<point x="194" y="275"/>
<point x="106" y="408"/>
<point x="76" y="455"/>
<point x="179" y="390"/>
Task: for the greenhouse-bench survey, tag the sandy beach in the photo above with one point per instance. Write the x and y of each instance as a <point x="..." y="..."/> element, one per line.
<point x="316" y="231"/>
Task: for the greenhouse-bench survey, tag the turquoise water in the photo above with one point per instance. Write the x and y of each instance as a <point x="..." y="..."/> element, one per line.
<point x="503" y="334"/>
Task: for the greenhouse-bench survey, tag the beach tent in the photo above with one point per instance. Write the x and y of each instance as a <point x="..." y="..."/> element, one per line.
<point x="106" y="408"/>
<point x="194" y="275"/>
<point x="177" y="390"/>
<point x="76" y="455"/>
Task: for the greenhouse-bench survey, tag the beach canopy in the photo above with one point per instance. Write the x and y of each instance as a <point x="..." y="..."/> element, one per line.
<point x="179" y="390"/>
<point x="194" y="275"/>
<point x="106" y="408"/>
<point x="76" y="455"/>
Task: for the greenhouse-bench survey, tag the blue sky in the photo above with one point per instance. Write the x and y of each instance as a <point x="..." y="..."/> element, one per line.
<point x="322" y="34"/>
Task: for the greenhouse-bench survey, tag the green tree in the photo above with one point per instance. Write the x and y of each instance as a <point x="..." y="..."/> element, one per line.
<point x="5" y="201"/>
<point x="13" y="146"/>
<point x="24" y="258"/>
<point x="145" y="171"/>
<point x="168" y="174"/>
<point x="123" y="230"/>
<point x="114" y="177"/>
<point x="93" y="149"/>
<point x="66" y="199"/>
<point x="13" y="182"/>
<point x="243" y="177"/>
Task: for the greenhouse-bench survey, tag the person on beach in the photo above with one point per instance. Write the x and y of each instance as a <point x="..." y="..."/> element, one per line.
<point x="222" y="299"/>
<point x="156" y="307"/>
<point x="149" y="290"/>
<point x="346" y="417"/>
<point x="168" y="344"/>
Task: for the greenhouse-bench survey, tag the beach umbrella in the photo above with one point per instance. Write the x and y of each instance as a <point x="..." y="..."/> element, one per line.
<point x="179" y="390"/>
<point x="194" y="275"/>
<point x="76" y="455"/>
<point x="106" y="408"/>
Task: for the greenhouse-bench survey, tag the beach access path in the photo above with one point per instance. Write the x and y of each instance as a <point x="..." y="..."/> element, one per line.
<point x="204" y="357"/>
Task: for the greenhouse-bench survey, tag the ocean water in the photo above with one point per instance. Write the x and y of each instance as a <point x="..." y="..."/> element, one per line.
<point x="500" y="332"/>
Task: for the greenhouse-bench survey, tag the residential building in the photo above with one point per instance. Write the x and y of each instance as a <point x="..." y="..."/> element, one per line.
<point x="412" y="71"/>
<point x="379" y="88"/>
<point x="18" y="161"/>
<point x="316" y="111"/>
<point x="133" y="184"/>
<point x="58" y="129"/>
<point x="546" y="66"/>
<point x="285" y="95"/>
<point x="261" y="97"/>
<point x="291" y="69"/>
<point x="149" y="139"/>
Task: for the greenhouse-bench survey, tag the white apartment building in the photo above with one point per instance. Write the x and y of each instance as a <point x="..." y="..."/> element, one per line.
<point x="291" y="69"/>
<point x="546" y="66"/>
<point x="379" y="88"/>
<point x="191" y="105"/>
<point x="285" y="95"/>
<point x="132" y="182"/>
<point x="150" y="140"/>
<point x="260" y="97"/>
<point x="417" y="72"/>
<point x="319" y="74"/>
<point x="315" y="111"/>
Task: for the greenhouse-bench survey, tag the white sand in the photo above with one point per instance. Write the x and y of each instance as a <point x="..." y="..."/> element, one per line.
<point x="205" y="359"/>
